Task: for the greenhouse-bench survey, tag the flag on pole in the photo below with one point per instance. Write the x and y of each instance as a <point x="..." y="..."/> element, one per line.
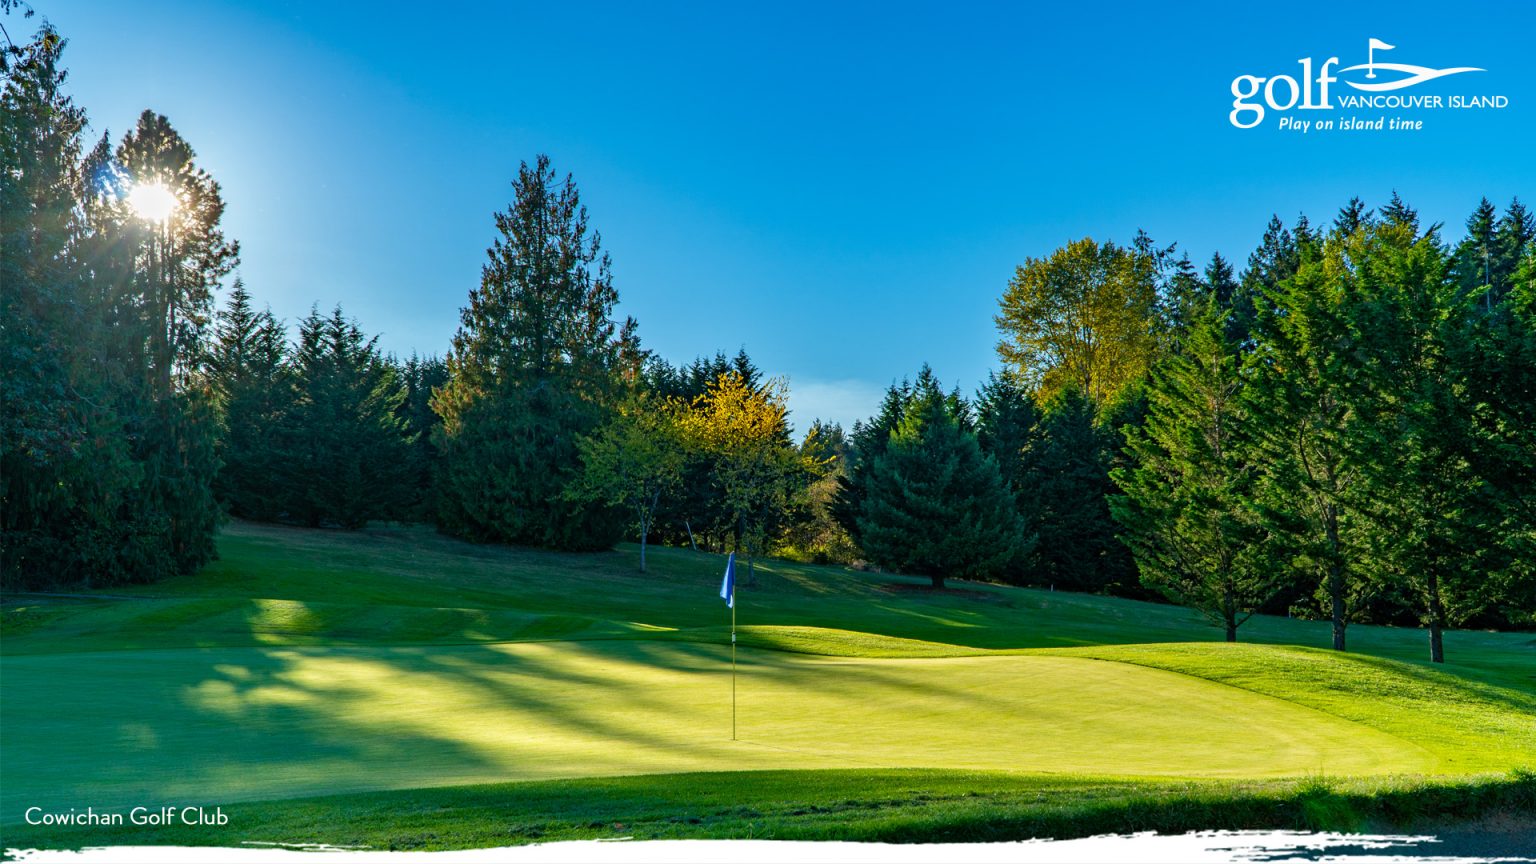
<point x="1378" y="45"/>
<point x="728" y="586"/>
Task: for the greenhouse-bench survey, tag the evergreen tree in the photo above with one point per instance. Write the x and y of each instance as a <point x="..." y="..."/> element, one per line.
<point x="1007" y="424"/>
<point x="1473" y="262"/>
<point x="1185" y="294"/>
<point x="534" y="365"/>
<point x="937" y="506"/>
<point x="1186" y="490"/>
<point x="1351" y="218"/>
<point x="1512" y="238"/>
<point x="870" y="439"/>
<point x="812" y="532"/>
<point x="65" y="461"/>
<point x="1275" y="260"/>
<point x="866" y="445"/>
<point x="1431" y="517"/>
<point x="1304" y="406"/>
<point x="1498" y="363"/>
<point x="346" y="449"/>
<point x="421" y="376"/>
<point x="252" y="391"/>
<point x="1066" y="471"/>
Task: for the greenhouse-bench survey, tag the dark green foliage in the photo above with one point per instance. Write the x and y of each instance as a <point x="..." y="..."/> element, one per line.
<point x="1183" y="295"/>
<point x="1305" y="395"/>
<point x="1433" y="520"/>
<point x="1064" y="499"/>
<point x="871" y="438"/>
<point x="535" y="364"/>
<point x="1189" y="481"/>
<point x="811" y="531"/>
<point x="253" y="391"/>
<point x="1007" y="424"/>
<point x="936" y="505"/>
<point x="505" y="472"/>
<point x="346" y="459"/>
<point x="1500" y="369"/>
<point x="420" y="376"/>
<point x="107" y="431"/>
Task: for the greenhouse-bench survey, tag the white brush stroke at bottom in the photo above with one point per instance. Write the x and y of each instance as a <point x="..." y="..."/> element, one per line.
<point x="1195" y="848"/>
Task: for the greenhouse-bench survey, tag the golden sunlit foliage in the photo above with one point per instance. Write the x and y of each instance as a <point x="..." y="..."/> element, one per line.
<point x="1084" y="316"/>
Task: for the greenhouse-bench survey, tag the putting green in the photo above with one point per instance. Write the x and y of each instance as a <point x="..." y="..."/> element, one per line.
<point x="112" y="729"/>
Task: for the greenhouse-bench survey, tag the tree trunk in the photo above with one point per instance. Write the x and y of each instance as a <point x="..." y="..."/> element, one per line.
<point x="1229" y="613"/>
<point x="1336" y="585"/>
<point x="1436" y="620"/>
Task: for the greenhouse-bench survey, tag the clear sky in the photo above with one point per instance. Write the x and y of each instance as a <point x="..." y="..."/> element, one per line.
<point x="842" y="189"/>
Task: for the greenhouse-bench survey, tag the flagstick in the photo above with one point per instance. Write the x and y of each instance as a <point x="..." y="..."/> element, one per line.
<point x="733" y="663"/>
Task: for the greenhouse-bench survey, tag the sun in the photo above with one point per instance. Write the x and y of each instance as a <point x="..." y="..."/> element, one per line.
<point x="152" y="201"/>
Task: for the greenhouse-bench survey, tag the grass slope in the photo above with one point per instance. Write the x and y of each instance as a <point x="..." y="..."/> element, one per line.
<point x="309" y="662"/>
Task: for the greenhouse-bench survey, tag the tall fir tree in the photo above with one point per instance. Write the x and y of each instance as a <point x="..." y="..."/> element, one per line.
<point x="937" y="506"/>
<point x="1433" y="525"/>
<point x="1305" y="407"/>
<point x="252" y="392"/>
<point x="534" y="366"/>
<point x="1064" y="499"/>
<point x="1186" y="490"/>
<point x="422" y="376"/>
<point x="346" y="455"/>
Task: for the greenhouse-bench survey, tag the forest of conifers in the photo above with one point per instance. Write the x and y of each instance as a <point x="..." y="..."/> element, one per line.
<point x="1343" y="426"/>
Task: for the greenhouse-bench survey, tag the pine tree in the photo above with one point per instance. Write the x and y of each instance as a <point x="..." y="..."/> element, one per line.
<point x="868" y="443"/>
<point x="1498" y="368"/>
<point x="1274" y="261"/>
<point x="1351" y="218"/>
<point x="534" y="365"/>
<point x="1186" y="292"/>
<point x="1185" y="507"/>
<point x="153" y="278"/>
<point x="937" y="506"/>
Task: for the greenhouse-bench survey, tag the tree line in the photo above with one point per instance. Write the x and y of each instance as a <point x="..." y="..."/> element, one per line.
<point x="1346" y="428"/>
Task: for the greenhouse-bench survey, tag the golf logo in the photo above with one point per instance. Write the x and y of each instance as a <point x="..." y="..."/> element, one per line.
<point x="1255" y="97"/>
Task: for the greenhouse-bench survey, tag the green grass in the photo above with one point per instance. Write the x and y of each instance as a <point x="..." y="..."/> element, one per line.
<point x="404" y="667"/>
<point x="870" y="805"/>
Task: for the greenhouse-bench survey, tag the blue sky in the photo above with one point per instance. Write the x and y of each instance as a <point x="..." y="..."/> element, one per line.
<point x="843" y="189"/>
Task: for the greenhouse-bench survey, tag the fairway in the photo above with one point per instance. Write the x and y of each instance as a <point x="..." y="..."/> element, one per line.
<point x="405" y="661"/>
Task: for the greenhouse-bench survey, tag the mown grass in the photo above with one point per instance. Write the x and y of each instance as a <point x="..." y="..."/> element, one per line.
<point x="872" y="805"/>
<point x="310" y="662"/>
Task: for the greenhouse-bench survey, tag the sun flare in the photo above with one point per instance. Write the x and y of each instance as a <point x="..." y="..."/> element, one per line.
<point x="152" y="201"/>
